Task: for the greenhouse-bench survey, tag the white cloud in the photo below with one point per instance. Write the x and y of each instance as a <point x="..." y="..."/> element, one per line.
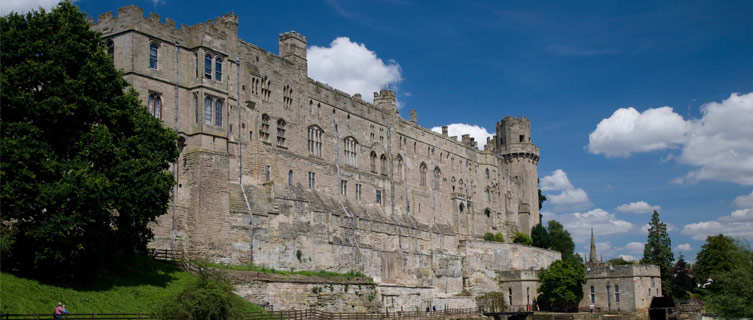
<point x="627" y="257"/>
<point x="628" y="131"/>
<point x="569" y="198"/>
<point x="635" y="247"/>
<point x="683" y="247"/>
<point x="719" y="144"/>
<point x="637" y="207"/>
<point x="459" y="129"/>
<point x="351" y="67"/>
<point x="744" y="201"/>
<point x="579" y="224"/>
<point x="24" y="6"/>
<point x="738" y="224"/>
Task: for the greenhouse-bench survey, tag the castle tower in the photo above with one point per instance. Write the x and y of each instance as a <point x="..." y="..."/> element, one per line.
<point x="592" y="254"/>
<point x="293" y="48"/>
<point x="519" y="160"/>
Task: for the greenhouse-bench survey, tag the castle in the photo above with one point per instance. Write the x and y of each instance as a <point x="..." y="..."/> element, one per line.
<point x="280" y="170"/>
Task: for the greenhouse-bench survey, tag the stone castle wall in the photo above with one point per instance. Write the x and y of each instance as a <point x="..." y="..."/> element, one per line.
<point x="347" y="183"/>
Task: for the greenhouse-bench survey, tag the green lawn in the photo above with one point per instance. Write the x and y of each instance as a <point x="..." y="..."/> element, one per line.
<point x="139" y="287"/>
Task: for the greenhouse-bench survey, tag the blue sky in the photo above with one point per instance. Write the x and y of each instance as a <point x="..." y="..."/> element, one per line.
<point x="576" y="69"/>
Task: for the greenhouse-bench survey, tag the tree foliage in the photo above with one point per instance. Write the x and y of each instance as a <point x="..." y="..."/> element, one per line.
<point x="522" y="238"/>
<point x="720" y="254"/>
<point x="619" y="261"/>
<point x="658" y="251"/>
<point x="542" y="198"/>
<point x="84" y="165"/>
<point x="732" y="291"/>
<point x="561" y="239"/>
<point x="211" y="297"/>
<point x="541" y="237"/>
<point x="561" y="285"/>
<point x="682" y="281"/>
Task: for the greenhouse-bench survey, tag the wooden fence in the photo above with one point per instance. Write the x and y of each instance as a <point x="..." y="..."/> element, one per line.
<point x="269" y="315"/>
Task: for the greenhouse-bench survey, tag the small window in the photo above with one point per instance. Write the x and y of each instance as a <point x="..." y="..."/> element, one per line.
<point x="422" y="174"/>
<point x="207" y="110"/>
<point x="290" y="177"/>
<point x="264" y="130"/>
<point x="379" y="196"/>
<point x="616" y="293"/>
<point x="208" y="66"/>
<point x="488" y="213"/>
<point x="383" y="162"/>
<point x="487" y="173"/>
<point x="522" y="138"/>
<point x="218" y="69"/>
<point x="153" y="55"/>
<point x="268" y="173"/>
<point x="488" y="195"/>
<point x="509" y="295"/>
<point x="312" y="180"/>
<point x="281" y="133"/>
<point x="358" y="191"/>
<point x="373" y="157"/>
<point x="437" y="177"/>
<point x="155" y="105"/>
<point x="218" y="113"/>
<point x="197" y="111"/>
<point x="315" y="141"/>
<point x="350" y="151"/>
<point x="344" y="187"/>
<point x="110" y="48"/>
<point x="399" y="167"/>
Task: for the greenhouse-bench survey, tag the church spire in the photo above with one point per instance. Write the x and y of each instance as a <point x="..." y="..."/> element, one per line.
<point x="592" y="254"/>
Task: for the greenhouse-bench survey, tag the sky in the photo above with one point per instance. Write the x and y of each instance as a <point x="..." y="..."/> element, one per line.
<point x="636" y="105"/>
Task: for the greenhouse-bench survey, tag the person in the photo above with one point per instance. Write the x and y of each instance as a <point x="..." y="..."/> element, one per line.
<point x="591" y="307"/>
<point x="59" y="310"/>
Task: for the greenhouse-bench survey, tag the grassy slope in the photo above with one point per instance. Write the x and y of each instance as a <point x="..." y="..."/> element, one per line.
<point x="138" y="288"/>
<point x="324" y="274"/>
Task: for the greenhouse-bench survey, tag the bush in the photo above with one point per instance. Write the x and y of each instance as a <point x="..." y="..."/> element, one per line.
<point x="488" y="236"/>
<point x="499" y="237"/>
<point x="522" y="238"/>
<point x="210" y="297"/>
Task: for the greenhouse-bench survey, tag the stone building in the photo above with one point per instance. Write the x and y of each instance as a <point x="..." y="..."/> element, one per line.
<point x="624" y="288"/>
<point x="287" y="172"/>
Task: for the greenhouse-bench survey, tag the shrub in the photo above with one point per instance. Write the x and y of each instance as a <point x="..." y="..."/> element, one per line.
<point x="499" y="237"/>
<point x="210" y="297"/>
<point x="298" y="254"/>
<point x="522" y="238"/>
<point x="488" y="236"/>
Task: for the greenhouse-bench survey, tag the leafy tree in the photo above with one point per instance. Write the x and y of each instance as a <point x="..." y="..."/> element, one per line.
<point x="732" y="290"/>
<point x="658" y="251"/>
<point x="541" y="237"/>
<point x="682" y="281"/>
<point x="619" y="261"/>
<point x="84" y="166"/>
<point x="561" y="239"/>
<point x="210" y="297"/>
<point x="562" y="284"/>
<point x="542" y="198"/>
<point x="522" y="238"/>
<point x="719" y="254"/>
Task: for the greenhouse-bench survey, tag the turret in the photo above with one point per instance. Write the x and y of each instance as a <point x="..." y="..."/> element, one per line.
<point x="385" y="100"/>
<point x="520" y="157"/>
<point x="293" y="48"/>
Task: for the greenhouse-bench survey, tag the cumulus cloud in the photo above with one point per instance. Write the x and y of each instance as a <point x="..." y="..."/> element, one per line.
<point x="738" y="224"/>
<point x="562" y="195"/>
<point x="744" y="201"/>
<point x="628" y="131"/>
<point x="635" y="247"/>
<point x="351" y="67"/>
<point x="683" y="247"/>
<point x="637" y="207"/>
<point x="719" y="144"/>
<point x="459" y="129"/>
<point x="579" y="224"/>
<point x="24" y="6"/>
<point x="628" y="257"/>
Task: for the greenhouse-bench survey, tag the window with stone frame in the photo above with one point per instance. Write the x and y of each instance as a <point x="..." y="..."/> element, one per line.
<point x="153" y="54"/>
<point x="358" y="191"/>
<point x="616" y="293"/>
<point x="344" y="187"/>
<point x="155" y="105"/>
<point x="379" y="196"/>
<point x="281" y="132"/>
<point x="264" y="129"/>
<point x="110" y="45"/>
<point x="218" y="69"/>
<point x="315" y="141"/>
<point x="383" y="162"/>
<point x="287" y="95"/>
<point x="437" y="177"/>
<point x="290" y="177"/>
<point x="207" y="110"/>
<point x="452" y="183"/>
<point x="372" y="158"/>
<point x="268" y="173"/>
<point x="208" y="66"/>
<point x="351" y="154"/>
<point x="218" y="112"/>
<point x="422" y="174"/>
<point x="197" y="111"/>
<point x="266" y="91"/>
<point x="487" y="173"/>
<point x="312" y="180"/>
<point x="488" y="195"/>
<point x="399" y="167"/>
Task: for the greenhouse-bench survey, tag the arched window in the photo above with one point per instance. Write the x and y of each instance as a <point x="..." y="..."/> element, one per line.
<point x="383" y="160"/>
<point x="487" y="173"/>
<point x="350" y="151"/>
<point x="315" y="141"/>
<point x="461" y="207"/>
<point x="153" y="55"/>
<point x="287" y="95"/>
<point x="110" y="45"/>
<point x="290" y="177"/>
<point x="264" y="130"/>
<point x="488" y="195"/>
<point x="437" y="177"/>
<point x="488" y="213"/>
<point x="155" y="105"/>
<point x="422" y="174"/>
<point x="373" y="157"/>
<point x="207" y="110"/>
<point x="460" y="183"/>
<point x="452" y="183"/>
<point x="218" y="69"/>
<point x="399" y="166"/>
<point x="281" y="132"/>
<point x="208" y="66"/>
<point x="218" y="113"/>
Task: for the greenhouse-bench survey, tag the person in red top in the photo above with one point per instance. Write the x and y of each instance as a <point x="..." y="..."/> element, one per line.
<point x="58" y="314"/>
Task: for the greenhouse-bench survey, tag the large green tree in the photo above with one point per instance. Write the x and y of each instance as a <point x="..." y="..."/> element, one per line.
<point x="658" y="251"/>
<point x="561" y="239"/>
<point x="84" y="166"/>
<point x="682" y="282"/>
<point x="720" y="254"/>
<point x="561" y="285"/>
<point x="541" y="237"/>
<point x="731" y="292"/>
